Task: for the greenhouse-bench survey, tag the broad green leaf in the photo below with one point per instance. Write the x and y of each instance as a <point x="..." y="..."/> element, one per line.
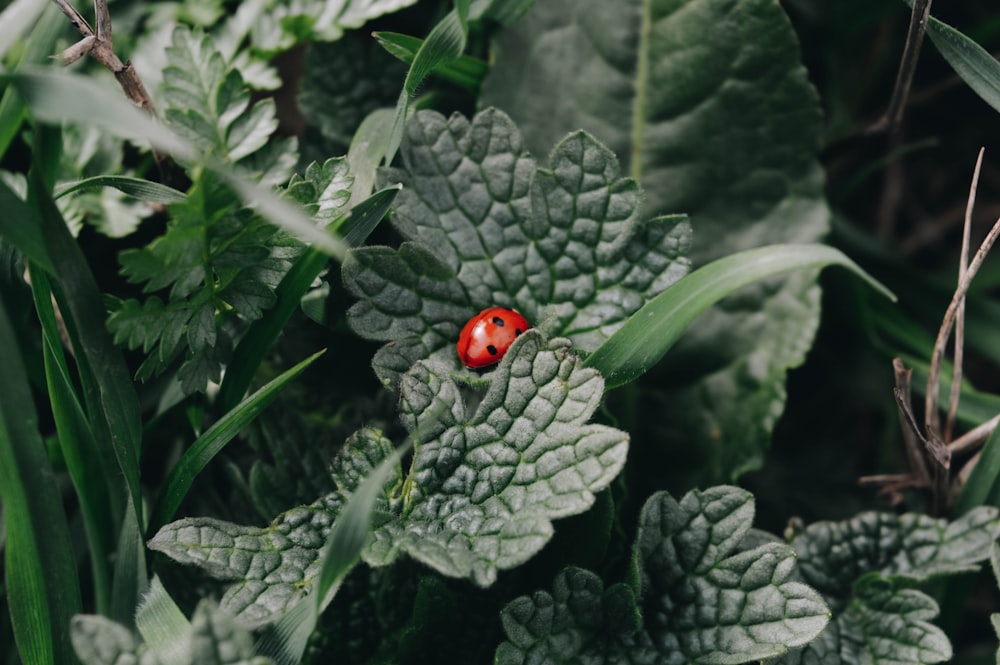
<point x="971" y="62"/>
<point x="40" y="579"/>
<point x="565" y="246"/>
<point x="863" y="567"/>
<point x="647" y="335"/>
<point x="709" y="108"/>
<point x="214" y="439"/>
<point x="696" y="594"/>
<point x="479" y="497"/>
<point x="144" y="190"/>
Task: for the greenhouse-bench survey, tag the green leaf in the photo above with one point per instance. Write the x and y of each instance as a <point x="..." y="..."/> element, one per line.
<point x="649" y="333"/>
<point x="971" y="62"/>
<point x="214" y="439"/>
<point x="862" y="567"/>
<point x="101" y="641"/>
<point x="21" y="226"/>
<point x="480" y="496"/>
<point x="708" y="107"/>
<point x="466" y="71"/>
<point x="207" y="103"/>
<point x="41" y="586"/>
<point x="565" y="246"/>
<point x="15" y="20"/>
<point x="696" y="594"/>
<point x="144" y="190"/>
<point x="344" y="82"/>
<point x="163" y="626"/>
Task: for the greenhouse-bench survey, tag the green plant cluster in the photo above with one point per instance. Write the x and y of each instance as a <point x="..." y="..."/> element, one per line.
<point x="234" y="428"/>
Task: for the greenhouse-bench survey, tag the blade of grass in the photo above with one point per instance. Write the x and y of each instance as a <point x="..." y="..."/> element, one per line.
<point x="466" y="71"/>
<point x="76" y="442"/>
<point x="213" y="440"/>
<point x="650" y="332"/>
<point x="354" y="228"/>
<point x="16" y="20"/>
<point x="444" y="44"/>
<point x="41" y="41"/>
<point x="40" y="578"/>
<point x="46" y="94"/>
<point x="143" y="190"/>
<point x="983" y="486"/>
<point x="164" y="628"/>
<point x="21" y="226"/>
<point x="111" y="402"/>
<point x="971" y="62"/>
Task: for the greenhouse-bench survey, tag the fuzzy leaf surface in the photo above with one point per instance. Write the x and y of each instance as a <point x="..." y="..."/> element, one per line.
<point x="863" y="567"/>
<point x="696" y="594"/>
<point x="708" y="105"/>
<point x="485" y="225"/>
<point x="480" y="496"/>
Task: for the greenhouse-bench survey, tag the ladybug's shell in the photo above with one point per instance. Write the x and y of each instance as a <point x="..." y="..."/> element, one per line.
<point x="486" y="337"/>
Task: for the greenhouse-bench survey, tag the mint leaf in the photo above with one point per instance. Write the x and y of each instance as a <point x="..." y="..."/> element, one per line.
<point x="212" y="639"/>
<point x="696" y="594"/>
<point x="480" y="495"/>
<point x="863" y="567"/>
<point x="484" y="487"/>
<point x="98" y="640"/>
<point x="565" y="246"/>
<point x="709" y="108"/>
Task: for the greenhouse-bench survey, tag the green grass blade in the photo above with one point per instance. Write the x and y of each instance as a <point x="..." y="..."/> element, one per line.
<point x="971" y="62"/>
<point x="164" y="628"/>
<point x="650" y="332"/>
<point x="355" y="228"/>
<point x="111" y="401"/>
<point x="367" y="149"/>
<point x="139" y="188"/>
<point x="40" y="577"/>
<point x="79" y="450"/>
<point x="466" y="71"/>
<point x="41" y="42"/>
<point x="983" y="486"/>
<point x="46" y="93"/>
<point x="21" y="226"/>
<point x="16" y="21"/>
<point x="285" y="642"/>
<point x="213" y="440"/>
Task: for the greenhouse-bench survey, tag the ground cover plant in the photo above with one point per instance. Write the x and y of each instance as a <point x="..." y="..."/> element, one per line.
<point x="512" y="331"/>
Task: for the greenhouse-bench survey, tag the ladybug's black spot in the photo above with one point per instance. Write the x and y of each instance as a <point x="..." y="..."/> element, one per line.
<point x="517" y="332"/>
<point x="497" y="321"/>
<point x="492" y="349"/>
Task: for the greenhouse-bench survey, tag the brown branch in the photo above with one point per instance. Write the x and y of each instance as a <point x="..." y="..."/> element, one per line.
<point x="907" y="68"/>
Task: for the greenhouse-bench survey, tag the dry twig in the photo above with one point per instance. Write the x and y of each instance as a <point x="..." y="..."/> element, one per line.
<point x="907" y="67"/>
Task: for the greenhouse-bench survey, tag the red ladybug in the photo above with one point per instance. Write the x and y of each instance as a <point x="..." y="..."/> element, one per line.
<point x="486" y="337"/>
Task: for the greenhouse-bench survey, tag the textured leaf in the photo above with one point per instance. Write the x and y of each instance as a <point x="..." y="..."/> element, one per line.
<point x="480" y="495"/>
<point x="565" y="246"/>
<point x="862" y="566"/>
<point x="323" y="190"/>
<point x="696" y="594"/>
<point x="707" y="104"/>
<point x="98" y="640"/>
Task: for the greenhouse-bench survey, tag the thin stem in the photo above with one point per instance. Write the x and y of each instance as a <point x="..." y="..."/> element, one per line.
<point x="907" y="68"/>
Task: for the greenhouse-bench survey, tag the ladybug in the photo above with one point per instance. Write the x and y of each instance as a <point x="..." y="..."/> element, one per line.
<point x="486" y="337"/>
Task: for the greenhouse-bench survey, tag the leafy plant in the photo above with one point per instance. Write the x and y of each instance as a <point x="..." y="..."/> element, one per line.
<point x="647" y="183"/>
